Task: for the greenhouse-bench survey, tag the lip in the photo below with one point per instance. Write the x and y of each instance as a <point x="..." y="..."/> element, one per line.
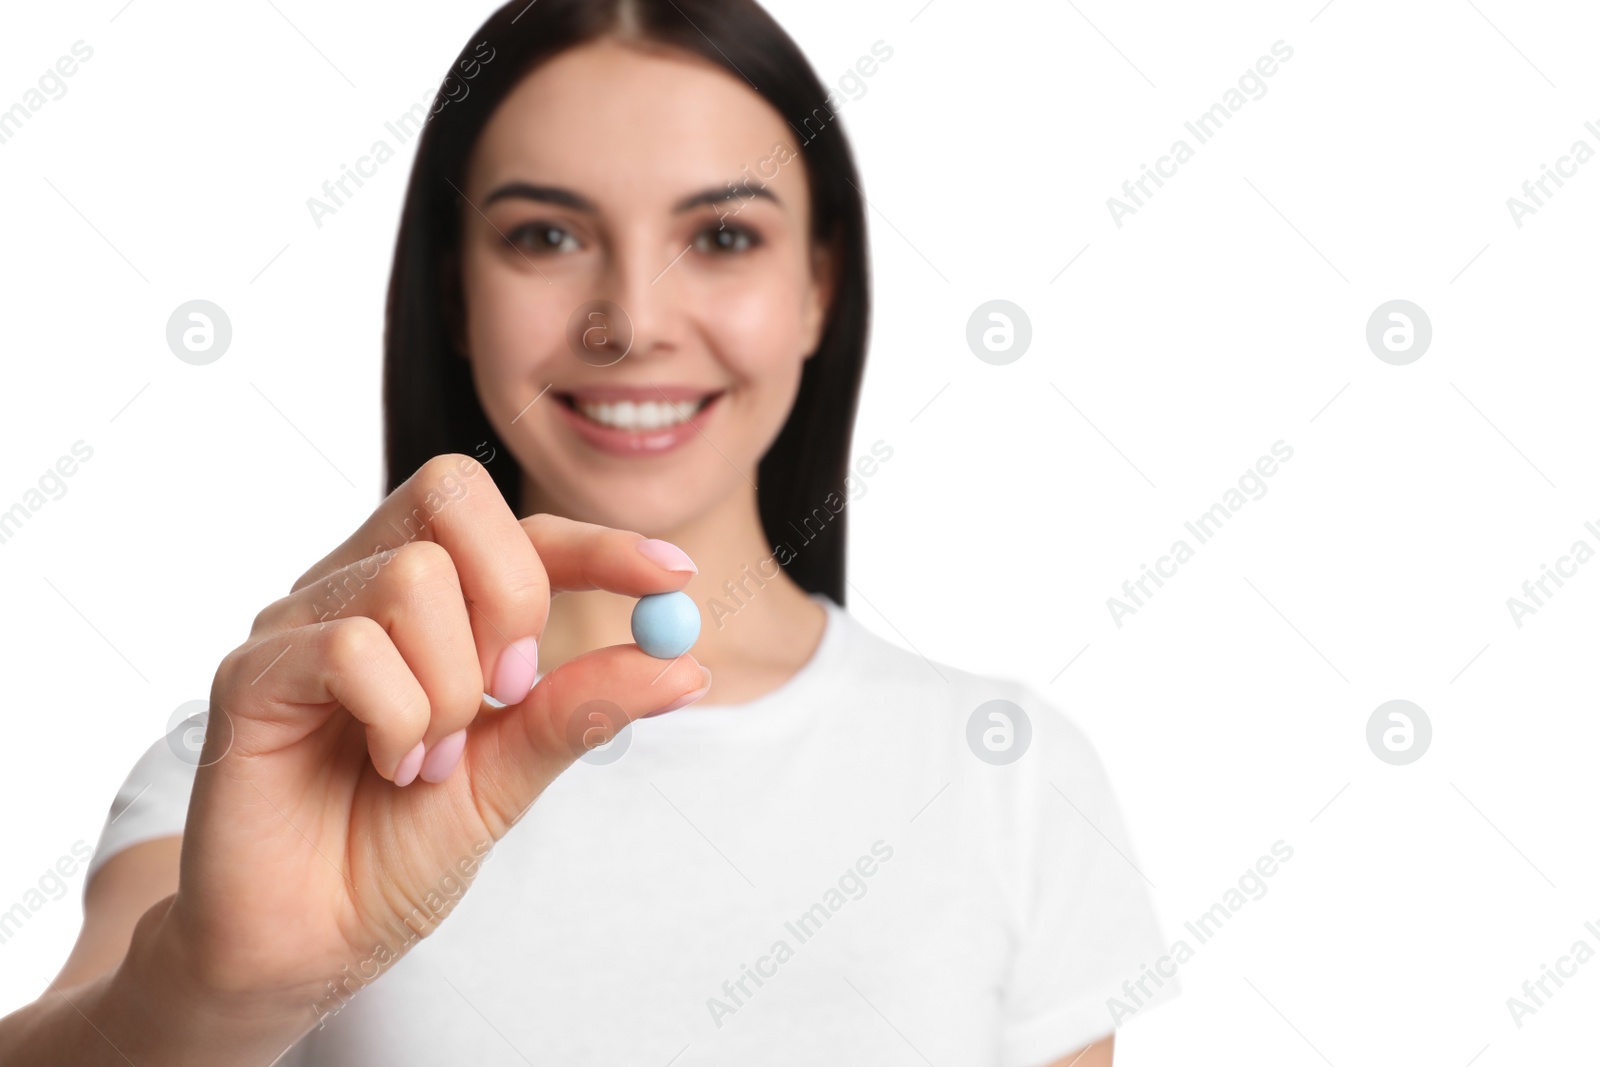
<point x="617" y="442"/>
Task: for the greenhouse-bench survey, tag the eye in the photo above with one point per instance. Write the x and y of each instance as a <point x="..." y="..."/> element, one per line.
<point x="540" y="237"/>
<point x="725" y="239"/>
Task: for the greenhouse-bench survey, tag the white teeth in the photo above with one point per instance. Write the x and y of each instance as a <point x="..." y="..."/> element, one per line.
<point x="641" y="415"/>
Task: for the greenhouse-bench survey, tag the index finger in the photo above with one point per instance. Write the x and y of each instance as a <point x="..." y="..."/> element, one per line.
<point x="508" y="570"/>
<point x="578" y="556"/>
<point x="453" y="501"/>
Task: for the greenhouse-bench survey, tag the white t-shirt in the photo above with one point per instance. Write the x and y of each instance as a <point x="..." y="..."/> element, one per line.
<point x="829" y="873"/>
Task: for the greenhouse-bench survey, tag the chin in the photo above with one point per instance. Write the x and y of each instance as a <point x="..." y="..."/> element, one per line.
<point x="623" y="503"/>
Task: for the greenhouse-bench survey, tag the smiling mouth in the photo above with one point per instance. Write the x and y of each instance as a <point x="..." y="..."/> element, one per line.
<point x="637" y="415"/>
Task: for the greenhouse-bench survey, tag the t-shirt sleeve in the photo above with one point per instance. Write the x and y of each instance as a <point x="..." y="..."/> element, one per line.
<point x="1087" y="925"/>
<point x="153" y="800"/>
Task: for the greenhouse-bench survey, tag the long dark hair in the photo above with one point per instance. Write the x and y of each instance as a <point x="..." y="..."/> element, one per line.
<point x="430" y="405"/>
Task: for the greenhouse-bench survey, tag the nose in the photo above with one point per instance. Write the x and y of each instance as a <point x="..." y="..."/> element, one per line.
<point x="643" y="282"/>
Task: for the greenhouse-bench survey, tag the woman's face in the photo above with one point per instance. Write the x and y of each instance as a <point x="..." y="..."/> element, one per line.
<point x="668" y="187"/>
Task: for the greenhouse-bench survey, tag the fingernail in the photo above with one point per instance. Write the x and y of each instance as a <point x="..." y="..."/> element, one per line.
<point x="515" y="672"/>
<point x="406" y="773"/>
<point x="444" y="757"/>
<point x="666" y="555"/>
<point x="686" y="699"/>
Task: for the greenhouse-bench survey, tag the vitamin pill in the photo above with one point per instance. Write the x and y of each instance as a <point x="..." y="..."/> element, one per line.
<point x="666" y="625"/>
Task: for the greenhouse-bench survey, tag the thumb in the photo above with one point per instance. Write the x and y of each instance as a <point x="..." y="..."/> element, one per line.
<point x="512" y="755"/>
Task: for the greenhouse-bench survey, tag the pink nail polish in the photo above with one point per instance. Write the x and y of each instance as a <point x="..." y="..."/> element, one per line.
<point x="410" y="764"/>
<point x="515" y="672"/>
<point x="686" y="699"/>
<point x="444" y="757"/>
<point x="666" y="555"/>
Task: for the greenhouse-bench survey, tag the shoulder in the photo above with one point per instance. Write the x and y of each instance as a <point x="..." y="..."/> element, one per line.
<point x="153" y="800"/>
<point x="1017" y="788"/>
<point x="999" y="721"/>
<point x="1021" y="772"/>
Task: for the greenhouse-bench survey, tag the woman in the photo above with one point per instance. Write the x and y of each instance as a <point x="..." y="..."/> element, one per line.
<point x="631" y="281"/>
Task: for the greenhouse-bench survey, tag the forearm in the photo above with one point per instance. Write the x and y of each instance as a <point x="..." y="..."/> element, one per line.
<point x="149" y="1010"/>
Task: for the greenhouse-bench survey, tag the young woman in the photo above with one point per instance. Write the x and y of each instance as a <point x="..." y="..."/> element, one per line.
<point x="626" y="329"/>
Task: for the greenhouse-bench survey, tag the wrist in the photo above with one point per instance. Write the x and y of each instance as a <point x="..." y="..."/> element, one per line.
<point x="162" y="992"/>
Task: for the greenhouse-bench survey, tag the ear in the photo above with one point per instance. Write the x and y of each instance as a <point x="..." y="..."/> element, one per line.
<point x="819" y="295"/>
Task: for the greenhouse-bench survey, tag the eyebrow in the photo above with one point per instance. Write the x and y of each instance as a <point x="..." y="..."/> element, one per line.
<point x="551" y="194"/>
<point x="719" y="196"/>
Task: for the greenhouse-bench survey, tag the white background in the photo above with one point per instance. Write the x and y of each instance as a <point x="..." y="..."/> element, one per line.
<point x="1227" y="314"/>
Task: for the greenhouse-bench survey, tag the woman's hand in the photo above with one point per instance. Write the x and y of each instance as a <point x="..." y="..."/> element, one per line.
<point x="307" y="858"/>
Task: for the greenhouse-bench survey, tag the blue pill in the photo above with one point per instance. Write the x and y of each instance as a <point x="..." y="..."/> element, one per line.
<point x="666" y="625"/>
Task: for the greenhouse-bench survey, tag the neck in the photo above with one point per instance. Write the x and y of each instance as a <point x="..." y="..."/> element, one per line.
<point x="757" y="626"/>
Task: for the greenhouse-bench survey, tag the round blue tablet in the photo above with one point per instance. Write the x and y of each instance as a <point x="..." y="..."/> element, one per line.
<point x="666" y="625"/>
